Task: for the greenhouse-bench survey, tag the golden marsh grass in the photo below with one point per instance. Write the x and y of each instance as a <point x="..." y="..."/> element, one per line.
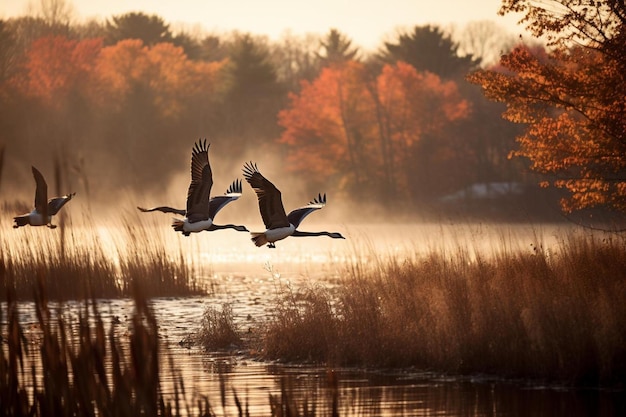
<point x="549" y="315"/>
<point x="78" y="260"/>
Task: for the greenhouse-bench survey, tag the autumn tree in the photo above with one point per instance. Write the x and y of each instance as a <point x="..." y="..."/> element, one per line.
<point x="129" y="104"/>
<point x="57" y="66"/>
<point x="49" y="104"/>
<point x="325" y="127"/>
<point x="55" y="73"/>
<point x="571" y="97"/>
<point x="27" y="29"/>
<point x="415" y="107"/>
<point x="153" y="97"/>
<point x="341" y="128"/>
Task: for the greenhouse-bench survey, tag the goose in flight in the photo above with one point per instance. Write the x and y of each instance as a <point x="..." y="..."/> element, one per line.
<point x="44" y="208"/>
<point x="279" y="225"/>
<point x="200" y="210"/>
<point x="216" y="203"/>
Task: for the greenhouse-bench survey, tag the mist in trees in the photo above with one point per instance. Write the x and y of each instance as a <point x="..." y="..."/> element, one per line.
<point x="121" y="101"/>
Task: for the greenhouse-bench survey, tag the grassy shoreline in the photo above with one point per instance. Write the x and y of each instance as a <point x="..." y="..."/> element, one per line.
<point x="556" y="316"/>
<point x="79" y="261"/>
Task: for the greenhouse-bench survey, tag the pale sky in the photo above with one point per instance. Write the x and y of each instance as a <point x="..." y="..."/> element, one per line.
<point x="366" y="22"/>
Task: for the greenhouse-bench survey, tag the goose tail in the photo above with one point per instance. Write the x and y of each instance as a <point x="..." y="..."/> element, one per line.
<point x="259" y="239"/>
<point x="20" y="221"/>
<point x="178" y="224"/>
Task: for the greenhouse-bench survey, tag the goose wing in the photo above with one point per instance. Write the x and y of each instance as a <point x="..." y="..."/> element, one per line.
<point x="55" y="204"/>
<point x="270" y="200"/>
<point x="296" y="216"/>
<point x="163" y="209"/>
<point x="201" y="183"/>
<point x="41" y="193"/>
<point x="218" y="202"/>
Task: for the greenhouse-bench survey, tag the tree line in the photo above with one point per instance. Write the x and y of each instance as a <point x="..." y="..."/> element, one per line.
<point x="120" y="101"/>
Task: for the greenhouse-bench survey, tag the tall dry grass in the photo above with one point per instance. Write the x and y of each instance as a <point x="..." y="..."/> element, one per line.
<point x="86" y="257"/>
<point x="552" y="315"/>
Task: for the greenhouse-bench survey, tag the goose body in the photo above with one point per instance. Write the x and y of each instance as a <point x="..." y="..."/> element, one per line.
<point x="272" y="235"/>
<point x="201" y="210"/>
<point x="44" y="208"/>
<point x="216" y="203"/>
<point x="278" y="224"/>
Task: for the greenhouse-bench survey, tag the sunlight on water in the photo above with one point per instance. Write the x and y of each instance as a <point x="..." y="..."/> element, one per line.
<point x="227" y="251"/>
<point x="233" y="252"/>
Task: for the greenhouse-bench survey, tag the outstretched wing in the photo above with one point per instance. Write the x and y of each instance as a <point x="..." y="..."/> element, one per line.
<point x="201" y="183"/>
<point x="296" y="216"/>
<point x="55" y="204"/>
<point x="41" y="193"/>
<point x="163" y="209"/>
<point x="270" y="200"/>
<point x="218" y="202"/>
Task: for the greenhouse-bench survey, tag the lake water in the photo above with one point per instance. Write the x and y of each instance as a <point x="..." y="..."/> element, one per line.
<point x="249" y="278"/>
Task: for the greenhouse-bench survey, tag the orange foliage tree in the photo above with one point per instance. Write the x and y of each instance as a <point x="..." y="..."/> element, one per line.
<point x="162" y="71"/>
<point x="126" y="103"/>
<point x="571" y="98"/>
<point x="360" y="131"/>
<point x="412" y="105"/>
<point x="55" y="66"/>
<point x="150" y="97"/>
<point x="49" y="97"/>
<point x="325" y="124"/>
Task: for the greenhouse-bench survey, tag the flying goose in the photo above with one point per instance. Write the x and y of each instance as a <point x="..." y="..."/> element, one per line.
<point x="200" y="210"/>
<point x="44" y="208"/>
<point x="279" y="225"/>
<point x="216" y="203"/>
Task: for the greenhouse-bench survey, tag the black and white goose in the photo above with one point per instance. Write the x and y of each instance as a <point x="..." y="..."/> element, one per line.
<point x="200" y="210"/>
<point x="44" y="208"/>
<point x="216" y="203"/>
<point x="279" y="225"/>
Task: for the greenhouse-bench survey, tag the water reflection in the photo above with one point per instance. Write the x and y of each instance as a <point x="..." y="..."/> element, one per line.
<point x="376" y="393"/>
<point x="220" y="377"/>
